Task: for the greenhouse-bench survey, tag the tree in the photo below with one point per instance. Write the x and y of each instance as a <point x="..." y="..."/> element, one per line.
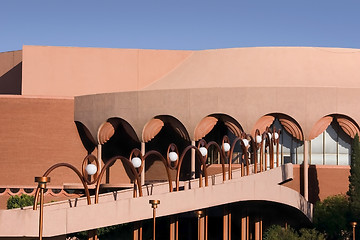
<point x="310" y="234"/>
<point x="331" y="216"/>
<point x="276" y="232"/>
<point x="19" y="202"/>
<point x="354" y="180"/>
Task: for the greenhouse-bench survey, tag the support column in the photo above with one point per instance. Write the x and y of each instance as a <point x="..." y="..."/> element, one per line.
<point x="245" y="227"/>
<point x="202" y="224"/>
<point x="193" y="143"/>
<point x="201" y="228"/>
<point x="143" y="170"/>
<point x="99" y="154"/>
<point x="258" y="229"/>
<point x="226" y="223"/>
<point x="137" y="231"/>
<point x="173" y="228"/>
<point x="306" y="169"/>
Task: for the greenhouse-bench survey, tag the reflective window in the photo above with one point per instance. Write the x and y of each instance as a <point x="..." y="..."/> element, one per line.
<point x="332" y="147"/>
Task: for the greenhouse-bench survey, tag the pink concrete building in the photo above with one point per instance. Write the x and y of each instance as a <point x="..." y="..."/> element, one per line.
<point x="60" y="104"/>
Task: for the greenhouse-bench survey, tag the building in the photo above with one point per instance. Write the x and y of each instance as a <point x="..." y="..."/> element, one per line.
<point x="147" y="99"/>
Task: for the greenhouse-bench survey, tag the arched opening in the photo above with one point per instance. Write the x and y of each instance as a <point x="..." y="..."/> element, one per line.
<point x="331" y="139"/>
<point x="291" y="139"/>
<point x="158" y="134"/>
<point x="213" y="128"/>
<point x="117" y="138"/>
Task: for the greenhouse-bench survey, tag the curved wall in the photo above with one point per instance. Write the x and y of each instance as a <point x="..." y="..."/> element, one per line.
<point x="246" y="105"/>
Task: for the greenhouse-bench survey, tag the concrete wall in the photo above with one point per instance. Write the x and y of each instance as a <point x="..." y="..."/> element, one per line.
<point x="10" y="72"/>
<point x="72" y="71"/>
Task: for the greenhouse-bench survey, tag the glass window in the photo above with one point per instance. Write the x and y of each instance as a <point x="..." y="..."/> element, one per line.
<point x="332" y="147"/>
<point x="290" y="148"/>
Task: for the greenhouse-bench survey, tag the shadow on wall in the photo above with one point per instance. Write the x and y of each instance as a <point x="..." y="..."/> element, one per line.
<point x="10" y="82"/>
<point x="313" y="184"/>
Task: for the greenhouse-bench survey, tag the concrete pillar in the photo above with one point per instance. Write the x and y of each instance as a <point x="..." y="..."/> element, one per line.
<point x="143" y="170"/>
<point x="193" y="143"/>
<point x="306" y="169"/>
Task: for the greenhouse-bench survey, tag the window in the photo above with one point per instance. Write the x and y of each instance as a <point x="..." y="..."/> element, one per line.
<point x="332" y="147"/>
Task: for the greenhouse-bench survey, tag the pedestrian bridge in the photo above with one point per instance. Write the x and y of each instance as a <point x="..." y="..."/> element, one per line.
<point x="121" y="207"/>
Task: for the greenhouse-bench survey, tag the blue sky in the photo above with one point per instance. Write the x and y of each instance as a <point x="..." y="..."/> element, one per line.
<point x="179" y="24"/>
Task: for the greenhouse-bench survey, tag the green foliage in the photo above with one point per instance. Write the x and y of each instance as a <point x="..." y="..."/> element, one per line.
<point x="354" y="180"/>
<point x="19" y="202"/>
<point x="331" y="217"/>
<point x="276" y="232"/>
<point x="310" y="234"/>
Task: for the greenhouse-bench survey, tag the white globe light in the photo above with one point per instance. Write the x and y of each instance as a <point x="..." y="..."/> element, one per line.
<point x="203" y="151"/>
<point x="276" y="135"/>
<point x="270" y="135"/>
<point x="226" y="147"/>
<point x="173" y="156"/>
<point x="91" y="169"/>
<point x="246" y="142"/>
<point x="258" y="138"/>
<point x="136" y="162"/>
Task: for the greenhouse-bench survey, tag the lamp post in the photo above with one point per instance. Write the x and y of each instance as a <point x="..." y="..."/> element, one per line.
<point x="154" y="204"/>
<point x="42" y="185"/>
<point x="353" y="224"/>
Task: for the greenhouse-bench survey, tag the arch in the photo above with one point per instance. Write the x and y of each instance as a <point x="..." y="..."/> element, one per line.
<point x="263" y="123"/>
<point x="87" y="139"/>
<point x="154" y="126"/>
<point x="347" y="124"/>
<point x="108" y="129"/>
<point x="117" y="137"/>
<point x="208" y="123"/>
<point x="320" y="126"/>
<point x="66" y="165"/>
<point x="289" y="124"/>
<point x="136" y="172"/>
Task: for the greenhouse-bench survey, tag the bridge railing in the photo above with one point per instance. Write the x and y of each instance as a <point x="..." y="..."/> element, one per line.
<point x="256" y="155"/>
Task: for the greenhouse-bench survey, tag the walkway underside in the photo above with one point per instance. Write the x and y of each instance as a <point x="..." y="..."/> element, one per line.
<point x="61" y="219"/>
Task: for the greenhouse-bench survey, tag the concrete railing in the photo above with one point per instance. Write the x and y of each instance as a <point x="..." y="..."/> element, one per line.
<point x="60" y="219"/>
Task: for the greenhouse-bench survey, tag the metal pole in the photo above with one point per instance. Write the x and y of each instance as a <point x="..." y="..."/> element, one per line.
<point x="41" y="213"/>
<point x="42" y="185"/>
<point x="353" y="224"/>
<point x="353" y="232"/>
<point x="154" y="221"/>
<point x="154" y="204"/>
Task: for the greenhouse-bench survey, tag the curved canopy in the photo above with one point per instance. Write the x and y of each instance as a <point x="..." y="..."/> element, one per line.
<point x="154" y="126"/>
<point x="320" y="127"/>
<point x="348" y="126"/>
<point x="262" y="124"/>
<point x="289" y="124"/>
<point x="207" y="124"/>
<point x="107" y="129"/>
